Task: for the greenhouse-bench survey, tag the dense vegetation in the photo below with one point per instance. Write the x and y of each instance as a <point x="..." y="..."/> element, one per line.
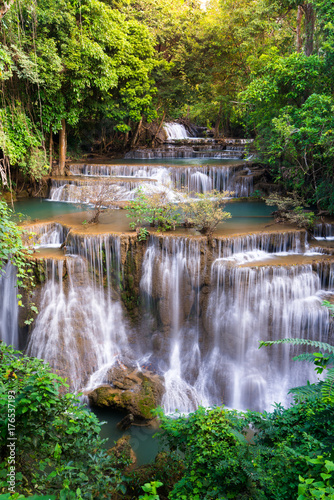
<point x="92" y="74"/>
<point x="59" y="451"/>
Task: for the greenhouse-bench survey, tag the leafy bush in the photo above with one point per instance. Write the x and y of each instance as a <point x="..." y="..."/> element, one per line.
<point x="150" y="490"/>
<point x="57" y="448"/>
<point x="210" y="442"/>
<point x="21" y="142"/>
<point x="320" y="489"/>
<point x="155" y="210"/>
<point x="206" y="212"/>
<point x="290" y="210"/>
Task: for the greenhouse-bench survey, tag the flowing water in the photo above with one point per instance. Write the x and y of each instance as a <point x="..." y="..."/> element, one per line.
<point x="200" y="307"/>
<point x="202" y="310"/>
<point x="80" y="328"/>
<point x="175" y="131"/>
<point x="9" y="331"/>
<point x="213" y="340"/>
<point x="126" y="180"/>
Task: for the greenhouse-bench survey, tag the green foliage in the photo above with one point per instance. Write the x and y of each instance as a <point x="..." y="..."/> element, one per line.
<point x="67" y="61"/>
<point x="290" y="209"/>
<point x="150" y="490"/>
<point x="21" y="142"/>
<point x="167" y="469"/>
<point x="13" y="250"/>
<point x="290" y="106"/>
<point x="206" y="212"/>
<point x="210" y="442"/>
<point x="312" y="488"/>
<point x="59" y="451"/>
<point x="154" y="209"/>
<point x="143" y="234"/>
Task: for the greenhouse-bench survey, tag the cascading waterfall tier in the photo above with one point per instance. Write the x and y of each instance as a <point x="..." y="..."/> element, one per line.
<point x="86" y="190"/>
<point x="235" y="179"/>
<point x="9" y="306"/>
<point x="252" y="304"/>
<point x="51" y="234"/>
<point x="80" y="329"/>
<point x="171" y="280"/>
<point x="216" y="313"/>
<point x="180" y="144"/>
<point x="324" y="231"/>
<point x="288" y="241"/>
<point x="175" y="131"/>
<point x="202" y="307"/>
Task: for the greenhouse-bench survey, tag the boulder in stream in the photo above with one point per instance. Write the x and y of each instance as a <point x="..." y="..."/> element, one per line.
<point x="131" y="390"/>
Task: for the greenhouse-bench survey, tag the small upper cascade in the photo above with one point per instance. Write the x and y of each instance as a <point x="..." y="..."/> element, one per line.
<point x="9" y="332"/>
<point x="51" y="234"/>
<point x="175" y="131"/>
<point x="233" y="248"/>
<point x="324" y="231"/>
<point x="181" y="144"/>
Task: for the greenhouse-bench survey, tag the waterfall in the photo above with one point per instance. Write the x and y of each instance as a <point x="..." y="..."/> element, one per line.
<point x="171" y="277"/>
<point x="175" y="131"/>
<point x="324" y="231"/>
<point x="269" y="243"/>
<point x="9" y="306"/>
<point x="215" y="314"/>
<point x="80" y="329"/>
<point x="252" y="304"/>
<point x="193" y="179"/>
<point x="203" y="309"/>
<point x="83" y="191"/>
<point x="51" y="234"/>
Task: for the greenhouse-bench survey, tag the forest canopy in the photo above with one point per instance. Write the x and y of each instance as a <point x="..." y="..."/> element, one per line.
<point x="84" y="76"/>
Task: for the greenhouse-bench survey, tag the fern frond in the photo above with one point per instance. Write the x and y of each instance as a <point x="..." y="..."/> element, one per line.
<point x="305" y="356"/>
<point x="314" y="343"/>
<point x="310" y="357"/>
<point x="305" y="392"/>
<point x="327" y="389"/>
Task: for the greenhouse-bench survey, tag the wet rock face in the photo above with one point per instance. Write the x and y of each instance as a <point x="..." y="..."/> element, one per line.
<point x="130" y="390"/>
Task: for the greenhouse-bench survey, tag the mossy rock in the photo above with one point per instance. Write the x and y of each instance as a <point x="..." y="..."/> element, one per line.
<point x="130" y="390"/>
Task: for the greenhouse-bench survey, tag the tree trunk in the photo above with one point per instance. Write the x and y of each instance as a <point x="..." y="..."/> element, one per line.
<point x="217" y="124"/>
<point x="298" y="29"/>
<point x="309" y="28"/>
<point x="4" y="7"/>
<point x="126" y="136"/>
<point x="50" y="148"/>
<point x="136" y="135"/>
<point x="159" y="128"/>
<point x="62" y="147"/>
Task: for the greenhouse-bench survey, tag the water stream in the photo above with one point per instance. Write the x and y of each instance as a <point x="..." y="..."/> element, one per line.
<point x="200" y="307"/>
<point x="128" y="179"/>
<point x="202" y="310"/>
<point x="9" y="332"/>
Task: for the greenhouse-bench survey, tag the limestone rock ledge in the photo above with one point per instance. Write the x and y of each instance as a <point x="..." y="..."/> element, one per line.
<point x="136" y="392"/>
